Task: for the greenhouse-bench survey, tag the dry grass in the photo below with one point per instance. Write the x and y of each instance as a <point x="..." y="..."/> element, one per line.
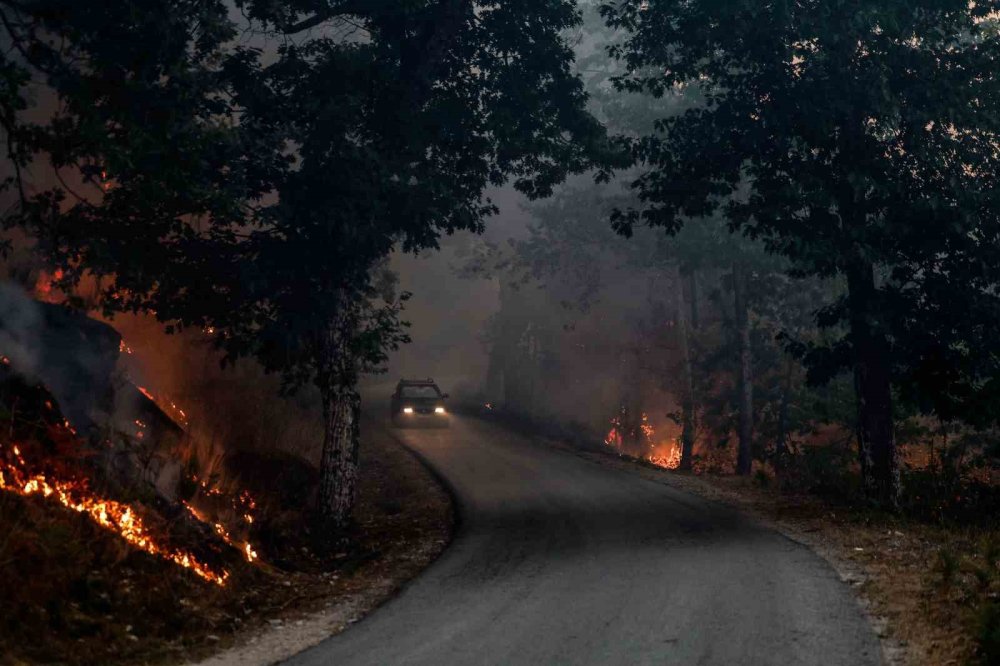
<point x="73" y="593"/>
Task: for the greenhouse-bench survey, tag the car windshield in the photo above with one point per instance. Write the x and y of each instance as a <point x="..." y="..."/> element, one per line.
<point x="420" y="392"/>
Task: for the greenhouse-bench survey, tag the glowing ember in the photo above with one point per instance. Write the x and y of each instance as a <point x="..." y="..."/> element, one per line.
<point x="669" y="460"/>
<point x="666" y="454"/>
<point x="169" y="407"/>
<point x="248" y="552"/>
<point x="647" y="430"/>
<point x="109" y="514"/>
<point x="45" y="286"/>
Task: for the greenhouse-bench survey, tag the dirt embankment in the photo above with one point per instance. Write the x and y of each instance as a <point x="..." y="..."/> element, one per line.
<point x="85" y="597"/>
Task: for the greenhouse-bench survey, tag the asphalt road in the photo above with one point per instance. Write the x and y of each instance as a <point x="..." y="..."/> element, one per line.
<point x="558" y="560"/>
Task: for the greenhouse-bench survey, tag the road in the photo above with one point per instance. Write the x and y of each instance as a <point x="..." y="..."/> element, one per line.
<point x="559" y="560"/>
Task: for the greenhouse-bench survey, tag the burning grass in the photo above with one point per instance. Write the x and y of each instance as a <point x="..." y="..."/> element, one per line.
<point x="118" y="518"/>
<point x="91" y="581"/>
<point x="639" y="438"/>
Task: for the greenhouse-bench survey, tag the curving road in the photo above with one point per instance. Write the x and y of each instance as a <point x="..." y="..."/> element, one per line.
<point x="558" y="560"/>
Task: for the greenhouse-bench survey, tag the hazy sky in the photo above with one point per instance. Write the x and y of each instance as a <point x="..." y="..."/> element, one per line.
<point x="449" y="313"/>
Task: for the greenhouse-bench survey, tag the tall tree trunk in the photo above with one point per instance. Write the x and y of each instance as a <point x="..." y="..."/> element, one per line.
<point x="339" y="469"/>
<point x="781" y="444"/>
<point x="695" y="305"/>
<point x="509" y="331"/>
<point x="494" y="377"/>
<point x="744" y="458"/>
<point x="338" y="384"/>
<point x="873" y="388"/>
<point x="687" y="389"/>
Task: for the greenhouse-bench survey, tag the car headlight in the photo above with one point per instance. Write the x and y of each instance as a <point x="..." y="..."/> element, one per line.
<point x="407" y="410"/>
<point x="439" y="410"/>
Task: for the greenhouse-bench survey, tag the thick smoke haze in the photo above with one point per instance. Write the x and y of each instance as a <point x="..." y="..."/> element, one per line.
<point x="449" y="313"/>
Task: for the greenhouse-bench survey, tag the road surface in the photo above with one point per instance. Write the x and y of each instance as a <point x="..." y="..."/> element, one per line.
<point x="558" y="560"/>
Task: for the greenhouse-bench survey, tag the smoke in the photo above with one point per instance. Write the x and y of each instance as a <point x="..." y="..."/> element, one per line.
<point x="20" y="329"/>
<point x="450" y="312"/>
<point x="73" y="356"/>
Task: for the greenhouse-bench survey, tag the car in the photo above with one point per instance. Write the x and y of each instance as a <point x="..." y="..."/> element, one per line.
<point x="418" y="402"/>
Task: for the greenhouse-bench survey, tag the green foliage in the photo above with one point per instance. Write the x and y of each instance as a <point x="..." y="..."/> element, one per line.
<point x="828" y="471"/>
<point x="820" y="135"/>
<point x="973" y="580"/>
<point x="254" y="186"/>
<point x="988" y="633"/>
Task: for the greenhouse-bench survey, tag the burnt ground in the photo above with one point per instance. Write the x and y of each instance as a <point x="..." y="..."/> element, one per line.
<point x="76" y="594"/>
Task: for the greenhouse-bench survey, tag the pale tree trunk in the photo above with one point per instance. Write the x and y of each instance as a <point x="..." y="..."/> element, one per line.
<point x="338" y="383"/>
<point x="339" y="469"/>
<point x="687" y="389"/>
<point x="744" y="459"/>
<point x="872" y="382"/>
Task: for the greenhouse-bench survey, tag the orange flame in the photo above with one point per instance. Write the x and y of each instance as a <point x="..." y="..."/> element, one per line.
<point x="248" y="552"/>
<point x="109" y="514"/>
<point x="671" y="459"/>
<point x="169" y="407"/>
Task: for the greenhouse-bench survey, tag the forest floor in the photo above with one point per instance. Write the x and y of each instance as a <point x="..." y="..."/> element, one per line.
<point x="920" y="605"/>
<point x="120" y="606"/>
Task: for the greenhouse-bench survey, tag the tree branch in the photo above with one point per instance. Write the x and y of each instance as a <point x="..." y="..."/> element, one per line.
<point x="342" y="8"/>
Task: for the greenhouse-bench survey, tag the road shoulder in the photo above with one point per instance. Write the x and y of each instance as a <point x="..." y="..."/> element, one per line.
<point x="407" y="518"/>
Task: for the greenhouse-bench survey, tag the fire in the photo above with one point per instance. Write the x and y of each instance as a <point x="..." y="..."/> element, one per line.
<point x="114" y="516"/>
<point x="666" y="454"/>
<point x="669" y="460"/>
<point x="45" y="286"/>
<point x="618" y="434"/>
<point x="647" y="430"/>
<point x="169" y="407"/>
<point x="248" y="552"/>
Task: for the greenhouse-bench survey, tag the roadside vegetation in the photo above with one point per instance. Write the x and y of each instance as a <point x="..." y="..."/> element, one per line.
<point x="75" y="591"/>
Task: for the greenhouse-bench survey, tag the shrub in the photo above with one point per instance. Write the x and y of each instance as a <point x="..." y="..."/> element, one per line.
<point x="987" y="634"/>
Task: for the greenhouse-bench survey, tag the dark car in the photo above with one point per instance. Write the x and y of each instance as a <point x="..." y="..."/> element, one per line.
<point x="419" y="402"/>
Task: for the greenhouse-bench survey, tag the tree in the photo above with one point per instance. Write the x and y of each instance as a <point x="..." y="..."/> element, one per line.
<point x="290" y="167"/>
<point x="858" y="138"/>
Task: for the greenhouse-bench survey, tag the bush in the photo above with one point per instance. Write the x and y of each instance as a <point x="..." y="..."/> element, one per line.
<point x="988" y="633"/>
<point x="828" y="471"/>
